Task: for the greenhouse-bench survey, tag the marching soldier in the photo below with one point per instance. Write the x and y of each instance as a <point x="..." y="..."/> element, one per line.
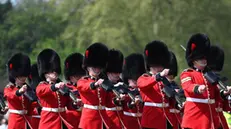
<point x="199" y="110"/>
<point x="215" y="63"/>
<point x="73" y="71"/>
<point x="113" y="70"/>
<point x="18" y="70"/>
<point x="34" y="80"/>
<point x="133" y="68"/>
<point x="92" y="94"/>
<point x="156" y="103"/>
<point x="53" y="102"/>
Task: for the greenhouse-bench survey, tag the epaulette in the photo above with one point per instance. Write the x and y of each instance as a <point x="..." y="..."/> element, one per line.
<point x="9" y="84"/>
<point x="188" y="70"/>
<point x="86" y="77"/>
<point x="147" y="75"/>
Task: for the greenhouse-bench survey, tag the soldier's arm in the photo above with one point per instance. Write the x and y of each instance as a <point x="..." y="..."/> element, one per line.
<point x="187" y="83"/>
<point x="9" y="93"/>
<point x="85" y="85"/>
<point x="146" y="82"/>
<point x="44" y="89"/>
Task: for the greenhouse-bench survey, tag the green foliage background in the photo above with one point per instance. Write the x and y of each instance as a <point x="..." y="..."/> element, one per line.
<point x="72" y="25"/>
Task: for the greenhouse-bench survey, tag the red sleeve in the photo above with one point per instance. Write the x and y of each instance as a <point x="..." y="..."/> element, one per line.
<point x="9" y="93"/>
<point x="226" y="106"/>
<point x="43" y="90"/>
<point x="83" y="85"/>
<point x="146" y="82"/>
<point x="187" y="83"/>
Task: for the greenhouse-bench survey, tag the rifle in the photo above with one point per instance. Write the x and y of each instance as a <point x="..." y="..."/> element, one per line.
<point x="171" y="93"/>
<point x="30" y="94"/>
<point x="65" y="91"/>
<point x="213" y="78"/>
<point x="2" y="103"/>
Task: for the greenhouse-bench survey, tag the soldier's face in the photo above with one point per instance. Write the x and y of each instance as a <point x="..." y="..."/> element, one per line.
<point x="200" y="64"/>
<point x="93" y="71"/>
<point x="20" y="80"/>
<point x="114" y="77"/>
<point x="74" y="79"/>
<point x="52" y="76"/>
<point x="132" y="83"/>
<point x="156" y="69"/>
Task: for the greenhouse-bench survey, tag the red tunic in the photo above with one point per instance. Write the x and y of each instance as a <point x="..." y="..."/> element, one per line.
<point x="17" y="121"/>
<point x="198" y="115"/>
<point x="73" y="115"/>
<point x="92" y="118"/>
<point x="115" y="113"/>
<point x="156" y="104"/>
<point x="132" y="117"/>
<point x="174" y="114"/>
<point x="35" y="116"/>
<point x="51" y="99"/>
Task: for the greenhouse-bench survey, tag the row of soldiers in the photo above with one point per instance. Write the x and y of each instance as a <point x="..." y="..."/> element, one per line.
<point x="105" y="90"/>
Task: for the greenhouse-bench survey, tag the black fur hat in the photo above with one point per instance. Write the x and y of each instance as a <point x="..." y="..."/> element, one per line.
<point x="73" y="66"/>
<point x="197" y="48"/>
<point x="216" y="58"/>
<point x="115" y="61"/>
<point x="96" y="55"/>
<point x="173" y="65"/>
<point x="18" y="65"/>
<point x="156" y="54"/>
<point x="134" y="67"/>
<point x="48" y="61"/>
<point x="34" y="78"/>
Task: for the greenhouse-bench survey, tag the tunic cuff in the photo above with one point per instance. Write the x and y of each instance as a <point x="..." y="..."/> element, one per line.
<point x="195" y="89"/>
<point x="92" y="86"/>
<point x="18" y="93"/>
<point x="53" y="87"/>
<point x="158" y="77"/>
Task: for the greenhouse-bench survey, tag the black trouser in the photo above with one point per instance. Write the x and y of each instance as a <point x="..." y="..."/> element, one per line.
<point x="169" y="126"/>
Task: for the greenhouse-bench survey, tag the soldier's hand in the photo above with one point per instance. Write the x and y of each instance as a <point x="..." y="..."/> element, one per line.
<point x="23" y="89"/>
<point x="137" y="100"/>
<point x="59" y="85"/>
<point x="122" y="96"/>
<point x="99" y="82"/>
<point x="228" y="90"/>
<point x="5" y="109"/>
<point x="202" y="88"/>
<point x="164" y="72"/>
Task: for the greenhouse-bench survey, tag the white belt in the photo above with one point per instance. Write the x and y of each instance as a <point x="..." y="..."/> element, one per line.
<point x="219" y="109"/>
<point x="174" y="111"/>
<point x="36" y="116"/>
<point x="209" y="101"/>
<point x="53" y="109"/>
<point x="20" y="112"/>
<point x="94" y="107"/>
<point x="156" y="104"/>
<point x="114" y="109"/>
<point x="133" y="114"/>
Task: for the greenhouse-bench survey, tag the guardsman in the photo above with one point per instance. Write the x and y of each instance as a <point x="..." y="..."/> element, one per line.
<point x="216" y="60"/>
<point x="199" y="108"/>
<point x="34" y="80"/>
<point x="52" y="101"/>
<point x="156" y="103"/>
<point x="92" y="94"/>
<point x="18" y="70"/>
<point x="113" y="70"/>
<point x="133" y="68"/>
<point x="73" y="71"/>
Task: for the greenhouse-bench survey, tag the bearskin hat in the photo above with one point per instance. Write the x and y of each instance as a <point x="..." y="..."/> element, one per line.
<point x="18" y="65"/>
<point x="115" y="61"/>
<point x="197" y="48"/>
<point x="34" y="78"/>
<point x="156" y="54"/>
<point x="134" y="67"/>
<point x="73" y="66"/>
<point x="172" y="65"/>
<point x="96" y="55"/>
<point x="216" y="58"/>
<point x="48" y="61"/>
